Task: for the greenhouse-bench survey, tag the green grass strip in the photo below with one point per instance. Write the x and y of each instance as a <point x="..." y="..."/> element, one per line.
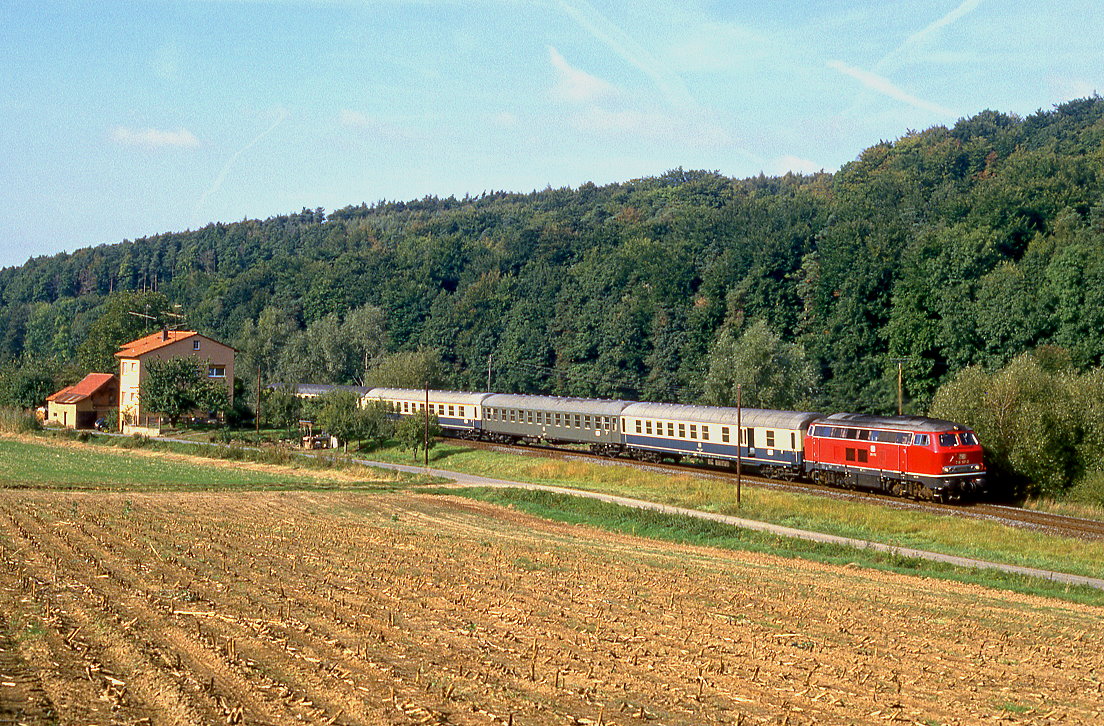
<point x="887" y="523"/>
<point x="45" y="465"/>
<point x="684" y="529"/>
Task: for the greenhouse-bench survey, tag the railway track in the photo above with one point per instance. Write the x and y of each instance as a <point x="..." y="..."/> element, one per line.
<point x="1044" y="522"/>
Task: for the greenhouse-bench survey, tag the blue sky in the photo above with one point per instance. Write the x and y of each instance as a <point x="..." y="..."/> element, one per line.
<point x="124" y="119"/>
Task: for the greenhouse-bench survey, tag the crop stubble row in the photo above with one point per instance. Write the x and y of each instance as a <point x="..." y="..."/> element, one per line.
<point x="397" y="608"/>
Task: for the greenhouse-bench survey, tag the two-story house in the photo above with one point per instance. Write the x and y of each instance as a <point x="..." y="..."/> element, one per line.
<point x="213" y="357"/>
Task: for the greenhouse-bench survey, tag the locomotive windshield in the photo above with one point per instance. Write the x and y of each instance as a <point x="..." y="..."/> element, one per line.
<point x="966" y="438"/>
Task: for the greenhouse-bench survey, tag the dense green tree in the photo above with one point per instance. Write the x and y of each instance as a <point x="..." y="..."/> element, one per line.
<point x="1039" y="419"/>
<point x="175" y="387"/>
<point x="772" y="373"/>
<point x="408" y="369"/>
<point x="414" y="434"/>
<point x="124" y="316"/>
<point x="344" y="415"/>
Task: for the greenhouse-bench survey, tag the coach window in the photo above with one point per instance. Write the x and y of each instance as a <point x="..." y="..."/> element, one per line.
<point x="693" y="431"/>
<point x="639" y="427"/>
<point x="705" y="433"/>
<point x="406" y="407"/>
<point x="452" y="410"/>
<point x="648" y="427"/>
<point x="724" y="434"/>
<point x="770" y="439"/>
<point x="793" y="441"/>
<point x="529" y="417"/>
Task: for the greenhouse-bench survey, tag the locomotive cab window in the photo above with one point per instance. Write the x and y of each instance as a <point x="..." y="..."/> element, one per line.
<point x="922" y="440"/>
<point x="948" y="440"/>
<point x="967" y="438"/>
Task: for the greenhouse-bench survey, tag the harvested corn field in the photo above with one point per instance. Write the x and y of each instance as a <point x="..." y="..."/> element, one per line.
<point x="400" y="608"/>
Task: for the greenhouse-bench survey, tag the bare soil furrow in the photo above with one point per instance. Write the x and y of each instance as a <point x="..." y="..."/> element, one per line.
<point x="397" y="608"/>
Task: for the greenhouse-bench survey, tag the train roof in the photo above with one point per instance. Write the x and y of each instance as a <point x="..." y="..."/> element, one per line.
<point x="321" y="389"/>
<point x="419" y="394"/>
<point x="590" y="406"/>
<point x="749" y="417"/>
<point x="899" y="423"/>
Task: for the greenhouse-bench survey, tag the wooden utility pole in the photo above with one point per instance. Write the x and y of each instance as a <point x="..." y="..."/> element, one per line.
<point x="739" y="441"/>
<point x="425" y="437"/>
<point x="257" y="413"/>
<point x="900" y="384"/>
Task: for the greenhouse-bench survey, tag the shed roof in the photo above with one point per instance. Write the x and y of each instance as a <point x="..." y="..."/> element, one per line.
<point x="82" y="390"/>
<point x="749" y="417"/>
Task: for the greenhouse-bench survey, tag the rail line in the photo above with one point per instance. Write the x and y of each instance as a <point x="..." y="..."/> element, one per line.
<point x="1044" y="522"/>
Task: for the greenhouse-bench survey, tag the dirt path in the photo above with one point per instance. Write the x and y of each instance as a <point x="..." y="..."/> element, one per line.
<point x="397" y="608"/>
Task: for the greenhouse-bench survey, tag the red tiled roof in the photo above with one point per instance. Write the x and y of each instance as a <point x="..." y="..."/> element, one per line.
<point x="153" y="341"/>
<point x="87" y="386"/>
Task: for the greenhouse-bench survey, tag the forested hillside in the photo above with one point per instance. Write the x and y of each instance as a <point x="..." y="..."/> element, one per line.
<point x="948" y="247"/>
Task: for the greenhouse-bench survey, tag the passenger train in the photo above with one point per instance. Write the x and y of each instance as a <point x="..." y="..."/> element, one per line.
<point x="910" y="456"/>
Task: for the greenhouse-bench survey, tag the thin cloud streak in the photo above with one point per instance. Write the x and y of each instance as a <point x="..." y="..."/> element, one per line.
<point x="882" y="85"/>
<point x="576" y="85"/>
<point x="217" y="184"/>
<point x="892" y="59"/>
<point x="636" y="55"/>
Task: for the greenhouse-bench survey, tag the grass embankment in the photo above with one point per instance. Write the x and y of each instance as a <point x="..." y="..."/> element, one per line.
<point x="888" y="524"/>
<point x="691" y="530"/>
<point x="65" y="464"/>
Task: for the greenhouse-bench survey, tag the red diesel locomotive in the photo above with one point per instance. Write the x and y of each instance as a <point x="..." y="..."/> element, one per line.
<point x="910" y="456"/>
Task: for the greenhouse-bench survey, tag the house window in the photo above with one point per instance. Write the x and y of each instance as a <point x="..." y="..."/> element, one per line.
<point x="216" y="372"/>
<point x="195" y="345"/>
